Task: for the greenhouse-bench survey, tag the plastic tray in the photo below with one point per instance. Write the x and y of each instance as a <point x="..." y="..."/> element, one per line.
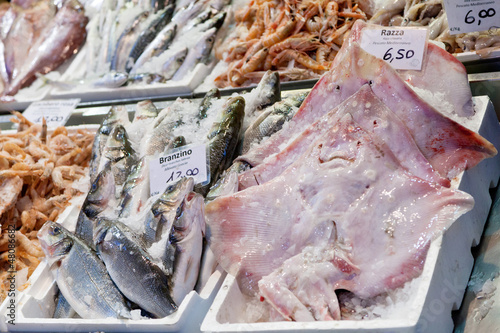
<point x="434" y="294"/>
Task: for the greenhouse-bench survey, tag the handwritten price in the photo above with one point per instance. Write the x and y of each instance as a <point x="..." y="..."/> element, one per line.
<point x="176" y="175"/>
<point x="49" y="119"/>
<point x="400" y="54"/>
<point x="484" y="13"/>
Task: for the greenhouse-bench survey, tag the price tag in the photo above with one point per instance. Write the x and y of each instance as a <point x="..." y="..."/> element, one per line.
<point x="402" y="48"/>
<point x="187" y="161"/>
<point x="472" y="15"/>
<point x="55" y="112"/>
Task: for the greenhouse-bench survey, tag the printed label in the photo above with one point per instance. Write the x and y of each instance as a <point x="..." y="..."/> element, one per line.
<point x="55" y="112"/>
<point x="472" y="15"/>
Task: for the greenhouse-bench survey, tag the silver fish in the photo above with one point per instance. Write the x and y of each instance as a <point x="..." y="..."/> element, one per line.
<point x="116" y="115"/>
<point x="166" y="209"/>
<point x="64" y="33"/>
<point x="271" y="120"/>
<point x="80" y="275"/>
<point x="148" y="35"/>
<point x="172" y="64"/>
<point x="199" y="54"/>
<point x="161" y="135"/>
<point x="98" y="198"/>
<point x="126" y="41"/>
<point x="161" y="42"/>
<point x="132" y="269"/>
<point x="146" y="78"/>
<point x="120" y="154"/>
<point x="187" y="233"/>
<point x="223" y="139"/>
<point x="185" y="13"/>
<point x="206" y="102"/>
<point x="109" y="80"/>
<point x="228" y="182"/>
<point x="63" y="308"/>
<point x="145" y="110"/>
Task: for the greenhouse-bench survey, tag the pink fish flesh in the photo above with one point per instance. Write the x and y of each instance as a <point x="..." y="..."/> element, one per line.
<point x="373" y="116"/>
<point x="60" y="39"/>
<point x="347" y="179"/>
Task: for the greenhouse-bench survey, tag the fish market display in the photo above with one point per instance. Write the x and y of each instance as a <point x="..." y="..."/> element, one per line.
<point x="145" y="44"/>
<point x="40" y="173"/>
<point x="38" y="41"/>
<point x="300" y="39"/>
<point x="430" y="14"/>
<point x="289" y="218"/>
<point x="151" y="246"/>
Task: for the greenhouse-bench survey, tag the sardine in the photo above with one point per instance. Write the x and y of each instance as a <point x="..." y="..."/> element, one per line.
<point x="199" y="54"/>
<point x="172" y="64"/>
<point x="206" y="102"/>
<point x="223" y="139"/>
<point x="116" y="115"/>
<point x="133" y="270"/>
<point x="187" y="233"/>
<point x="271" y="120"/>
<point x="126" y="41"/>
<point x="161" y="42"/>
<point x="80" y="275"/>
<point x="148" y="35"/>
<point x="64" y="33"/>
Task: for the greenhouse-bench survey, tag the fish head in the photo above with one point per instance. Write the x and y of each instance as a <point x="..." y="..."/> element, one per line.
<point x="55" y="241"/>
<point x="101" y="190"/>
<point x="103" y="225"/>
<point x="270" y="86"/>
<point x="118" y="144"/>
<point x="192" y="215"/>
<point x="217" y="21"/>
<point x="145" y="109"/>
<point x="206" y="44"/>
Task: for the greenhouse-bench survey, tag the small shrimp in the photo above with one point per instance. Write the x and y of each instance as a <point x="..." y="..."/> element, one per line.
<point x="255" y="62"/>
<point x="339" y="32"/>
<point x="301" y="58"/>
<point x="32" y="247"/>
<point x="352" y="15"/>
<point x="66" y="158"/>
<point x="321" y="53"/>
<point x="302" y="44"/>
<point x="257" y="29"/>
<point x="280" y="34"/>
<point x="60" y="130"/>
<point x="13" y="149"/>
<point x="314" y="25"/>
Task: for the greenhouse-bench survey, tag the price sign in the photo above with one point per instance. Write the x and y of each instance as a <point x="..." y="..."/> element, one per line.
<point x="402" y="48"/>
<point x="55" y="112"/>
<point x="187" y="161"/>
<point x="472" y="15"/>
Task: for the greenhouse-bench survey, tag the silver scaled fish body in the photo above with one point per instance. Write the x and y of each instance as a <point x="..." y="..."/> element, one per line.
<point x="80" y="275"/>
<point x="172" y="64"/>
<point x="116" y="115"/>
<point x="120" y="154"/>
<point x="206" y="103"/>
<point x="134" y="272"/>
<point x="223" y="140"/>
<point x="271" y="120"/>
<point x="228" y="183"/>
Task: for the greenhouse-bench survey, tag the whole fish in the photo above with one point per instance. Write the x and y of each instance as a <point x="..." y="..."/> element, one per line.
<point x="199" y="54"/>
<point x="59" y="40"/>
<point x="160" y="136"/>
<point x="184" y="13"/>
<point x="80" y="275"/>
<point x="206" y="102"/>
<point x="116" y="115"/>
<point x="203" y="16"/>
<point x="133" y="270"/>
<point x="148" y="35"/>
<point x="166" y="209"/>
<point x="108" y="80"/>
<point x="146" y="78"/>
<point x="126" y="41"/>
<point x="271" y="120"/>
<point x="228" y="183"/>
<point x="159" y="44"/>
<point x="172" y="64"/>
<point x="267" y="92"/>
<point x="223" y="139"/>
<point x="187" y="233"/>
<point x="99" y="196"/>
<point x="120" y="154"/>
<point x="23" y="33"/>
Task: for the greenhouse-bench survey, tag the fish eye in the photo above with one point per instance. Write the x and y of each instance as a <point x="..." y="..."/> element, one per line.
<point x="56" y="230"/>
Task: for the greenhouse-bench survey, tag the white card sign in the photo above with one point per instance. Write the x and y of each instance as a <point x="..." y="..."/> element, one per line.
<point x="402" y="48"/>
<point x="186" y="161"/>
<point x="472" y="15"/>
<point x="55" y="112"/>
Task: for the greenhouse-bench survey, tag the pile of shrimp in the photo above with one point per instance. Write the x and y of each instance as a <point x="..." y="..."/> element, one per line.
<point x="37" y="171"/>
<point x="297" y="38"/>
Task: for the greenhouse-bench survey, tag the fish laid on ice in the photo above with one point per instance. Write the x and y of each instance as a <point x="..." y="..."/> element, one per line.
<point x="314" y="207"/>
<point x="198" y="54"/>
<point x="64" y="33"/>
<point x="132" y="269"/>
<point x="206" y="102"/>
<point x="80" y="275"/>
<point x="120" y="154"/>
<point x="148" y="35"/>
<point x="173" y="63"/>
<point x="116" y="115"/>
<point x="223" y="139"/>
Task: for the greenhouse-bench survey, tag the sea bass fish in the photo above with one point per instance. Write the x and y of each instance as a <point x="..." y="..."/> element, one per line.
<point x="65" y="33"/>
<point x="132" y="269"/>
<point x="80" y="275"/>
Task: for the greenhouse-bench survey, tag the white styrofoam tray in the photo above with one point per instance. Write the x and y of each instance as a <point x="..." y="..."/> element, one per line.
<point x="434" y="294"/>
